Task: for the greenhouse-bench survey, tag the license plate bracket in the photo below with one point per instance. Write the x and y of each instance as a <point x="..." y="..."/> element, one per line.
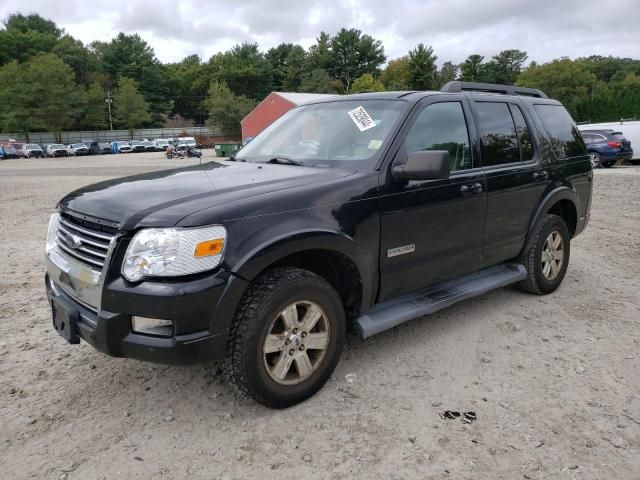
<point x="65" y="321"/>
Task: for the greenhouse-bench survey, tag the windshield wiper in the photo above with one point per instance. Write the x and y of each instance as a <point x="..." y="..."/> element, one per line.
<point x="284" y="161"/>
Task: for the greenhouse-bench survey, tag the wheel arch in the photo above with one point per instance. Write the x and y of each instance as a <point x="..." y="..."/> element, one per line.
<point x="334" y="256"/>
<point x="561" y="201"/>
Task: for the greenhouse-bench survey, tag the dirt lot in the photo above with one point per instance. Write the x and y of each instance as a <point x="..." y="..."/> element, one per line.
<point x="554" y="381"/>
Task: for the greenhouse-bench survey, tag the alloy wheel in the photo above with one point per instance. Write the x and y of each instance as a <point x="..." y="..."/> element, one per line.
<point x="552" y="255"/>
<point x="296" y="342"/>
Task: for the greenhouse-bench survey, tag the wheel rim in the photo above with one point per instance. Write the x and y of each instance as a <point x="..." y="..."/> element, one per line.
<point x="595" y="160"/>
<point x="552" y="255"/>
<point x="296" y="342"/>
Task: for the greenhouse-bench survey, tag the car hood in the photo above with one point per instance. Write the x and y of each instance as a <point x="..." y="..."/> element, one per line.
<point x="164" y="198"/>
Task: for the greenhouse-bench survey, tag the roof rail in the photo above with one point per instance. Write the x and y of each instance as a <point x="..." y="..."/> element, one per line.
<point x="458" y="86"/>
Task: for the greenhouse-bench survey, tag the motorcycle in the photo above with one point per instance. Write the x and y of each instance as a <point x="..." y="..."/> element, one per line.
<point x="171" y="154"/>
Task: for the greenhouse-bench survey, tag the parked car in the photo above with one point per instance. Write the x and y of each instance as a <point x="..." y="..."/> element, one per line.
<point x="606" y="147"/>
<point x="369" y="210"/>
<point x="8" y="151"/>
<point x="138" y="146"/>
<point x="77" y="149"/>
<point x="149" y="146"/>
<point x="183" y="143"/>
<point x="121" y="147"/>
<point x="100" y="148"/>
<point x="33" y="150"/>
<point x="57" y="150"/>
<point x="19" y="147"/>
<point x="161" y="144"/>
<point x="629" y="128"/>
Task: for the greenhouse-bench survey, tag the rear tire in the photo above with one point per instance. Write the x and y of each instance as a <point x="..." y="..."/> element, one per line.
<point x="547" y="258"/>
<point x="277" y="353"/>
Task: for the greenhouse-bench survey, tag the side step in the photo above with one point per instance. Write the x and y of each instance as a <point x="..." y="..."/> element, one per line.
<point x="389" y="314"/>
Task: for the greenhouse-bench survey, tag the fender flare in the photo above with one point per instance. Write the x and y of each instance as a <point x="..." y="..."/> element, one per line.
<point x="262" y="255"/>
<point x="554" y="196"/>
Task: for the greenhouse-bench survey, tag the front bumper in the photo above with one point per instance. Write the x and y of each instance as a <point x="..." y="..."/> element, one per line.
<point x="102" y="304"/>
<point x="111" y="333"/>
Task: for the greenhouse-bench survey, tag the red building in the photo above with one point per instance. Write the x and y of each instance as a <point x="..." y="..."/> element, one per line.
<point x="273" y="107"/>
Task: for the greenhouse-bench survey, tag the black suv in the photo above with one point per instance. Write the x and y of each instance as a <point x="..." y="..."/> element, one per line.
<point x="363" y="210"/>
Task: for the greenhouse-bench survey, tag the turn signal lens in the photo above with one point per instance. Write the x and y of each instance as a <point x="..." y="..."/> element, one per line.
<point x="209" y="247"/>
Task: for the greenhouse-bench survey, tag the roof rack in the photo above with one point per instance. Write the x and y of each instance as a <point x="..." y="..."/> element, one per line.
<point x="458" y="86"/>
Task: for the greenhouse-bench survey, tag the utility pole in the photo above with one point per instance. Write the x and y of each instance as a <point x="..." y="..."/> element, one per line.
<point x="109" y="99"/>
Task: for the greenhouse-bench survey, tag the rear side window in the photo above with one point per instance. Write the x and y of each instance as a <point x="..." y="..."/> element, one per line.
<point x="524" y="136"/>
<point x="566" y="140"/>
<point x="498" y="132"/>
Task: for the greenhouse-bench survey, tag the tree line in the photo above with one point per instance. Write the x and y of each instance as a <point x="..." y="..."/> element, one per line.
<point x="50" y="81"/>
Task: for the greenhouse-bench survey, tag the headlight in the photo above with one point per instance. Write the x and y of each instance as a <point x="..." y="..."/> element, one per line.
<point x="171" y="252"/>
<point x="52" y="232"/>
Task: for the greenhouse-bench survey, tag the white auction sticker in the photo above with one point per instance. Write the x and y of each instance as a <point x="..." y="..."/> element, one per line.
<point x="361" y="118"/>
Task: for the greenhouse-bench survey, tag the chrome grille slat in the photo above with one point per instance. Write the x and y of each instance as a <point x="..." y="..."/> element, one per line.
<point x="84" y="249"/>
<point x="104" y="246"/>
<point x="82" y="242"/>
<point x="85" y="231"/>
<point x="75" y="254"/>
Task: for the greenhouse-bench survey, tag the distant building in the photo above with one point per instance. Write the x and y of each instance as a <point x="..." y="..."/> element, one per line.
<point x="273" y="107"/>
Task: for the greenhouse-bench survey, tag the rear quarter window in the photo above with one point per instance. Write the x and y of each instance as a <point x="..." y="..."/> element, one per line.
<point x="565" y="138"/>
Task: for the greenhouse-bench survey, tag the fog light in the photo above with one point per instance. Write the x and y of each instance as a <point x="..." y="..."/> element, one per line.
<point x="152" y="326"/>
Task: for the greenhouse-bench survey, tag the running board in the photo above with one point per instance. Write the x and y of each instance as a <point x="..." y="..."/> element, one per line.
<point x="389" y="314"/>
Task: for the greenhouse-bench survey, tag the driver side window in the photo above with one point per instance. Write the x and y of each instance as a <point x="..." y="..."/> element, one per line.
<point x="442" y="126"/>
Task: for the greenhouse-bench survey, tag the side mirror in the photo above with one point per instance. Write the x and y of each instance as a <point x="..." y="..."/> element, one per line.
<point x="424" y="165"/>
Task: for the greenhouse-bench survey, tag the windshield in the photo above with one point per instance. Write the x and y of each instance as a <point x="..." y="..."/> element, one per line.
<point x="333" y="134"/>
<point x="57" y="145"/>
<point x="79" y="145"/>
<point x="136" y="143"/>
<point x="32" y="146"/>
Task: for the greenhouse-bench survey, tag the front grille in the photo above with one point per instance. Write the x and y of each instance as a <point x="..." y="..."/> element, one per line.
<point x="88" y="242"/>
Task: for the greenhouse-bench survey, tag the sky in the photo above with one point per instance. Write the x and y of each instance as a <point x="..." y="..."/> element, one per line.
<point x="545" y="29"/>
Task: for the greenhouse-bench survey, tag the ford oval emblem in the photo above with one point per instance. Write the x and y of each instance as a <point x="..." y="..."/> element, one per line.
<point x="76" y="242"/>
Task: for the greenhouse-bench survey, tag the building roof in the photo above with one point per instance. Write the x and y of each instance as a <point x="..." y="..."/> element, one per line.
<point x="300" y="98"/>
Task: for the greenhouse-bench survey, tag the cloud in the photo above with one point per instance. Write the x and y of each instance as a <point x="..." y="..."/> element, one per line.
<point x="546" y="29"/>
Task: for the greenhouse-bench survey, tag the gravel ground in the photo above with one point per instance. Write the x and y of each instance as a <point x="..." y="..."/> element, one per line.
<point x="554" y="381"/>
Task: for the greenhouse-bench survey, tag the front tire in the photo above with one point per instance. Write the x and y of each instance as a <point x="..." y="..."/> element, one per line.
<point x="547" y="258"/>
<point x="287" y="337"/>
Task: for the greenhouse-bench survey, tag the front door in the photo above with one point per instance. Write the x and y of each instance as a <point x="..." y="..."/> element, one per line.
<point x="432" y="230"/>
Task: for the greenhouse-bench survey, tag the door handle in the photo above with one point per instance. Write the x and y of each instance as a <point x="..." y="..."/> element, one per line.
<point x="543" y="175"/>
<point x="473" y="188"/>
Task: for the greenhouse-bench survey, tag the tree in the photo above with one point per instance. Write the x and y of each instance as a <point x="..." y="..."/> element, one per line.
<point x="447" y="73"/>
<point x="226" y="109"/>
<point x="366" y="83"/>
<point x="130" y="109"/>
<point x="131" y="57"/>
<point x="40" y="95"/>
<point x="506" y="66"/>
<point x="471" y="69"/>
<point x="94" y="110"/>
<point x="277" y="57"/>
<point x="17" y="22"/>
<point x="319" y="56"/>
<point x="354" y="54"/>
<point x="396" y="75"/>
<point x="85" y="64"/>
<point x="190" y="82"/>
<point x="319" y="81"/>
<point x="422" y="68"/>
<point x="244" y="69"/>
<point x="570" y="82"/>
<point x="294" y="69"/>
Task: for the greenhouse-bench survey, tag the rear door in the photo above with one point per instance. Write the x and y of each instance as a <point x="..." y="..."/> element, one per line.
<point x="431" y="230"/>
<point x="515" y="173"/>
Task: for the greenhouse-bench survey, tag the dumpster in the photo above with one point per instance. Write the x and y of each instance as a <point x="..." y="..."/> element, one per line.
<point x="226" y="149"/>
